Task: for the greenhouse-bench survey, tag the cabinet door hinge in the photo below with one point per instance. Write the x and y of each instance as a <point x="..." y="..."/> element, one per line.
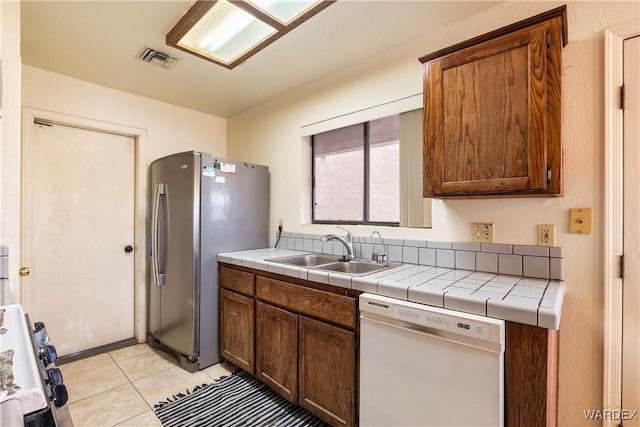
<point x="548" y="39"/>
<point x="622" y="97"/>
<point x="548" y="175"/>
<point x="622" y="266"/>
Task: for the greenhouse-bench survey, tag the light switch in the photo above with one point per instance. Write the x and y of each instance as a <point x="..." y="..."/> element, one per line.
<point x="580" y="221"/>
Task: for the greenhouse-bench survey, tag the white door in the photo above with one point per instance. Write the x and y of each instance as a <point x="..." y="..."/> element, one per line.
<point x="631" y="286"/>
<point x="78" y="219"/>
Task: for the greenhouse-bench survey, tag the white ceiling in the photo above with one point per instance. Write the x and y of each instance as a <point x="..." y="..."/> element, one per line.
<point x="97" y="41"/>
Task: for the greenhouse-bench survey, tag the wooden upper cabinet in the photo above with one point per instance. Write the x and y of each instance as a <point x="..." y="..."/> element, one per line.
<point x="492" y="122"/>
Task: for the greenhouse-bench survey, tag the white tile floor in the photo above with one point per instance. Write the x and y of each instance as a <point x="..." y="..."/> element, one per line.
<point x="120" y="388"/>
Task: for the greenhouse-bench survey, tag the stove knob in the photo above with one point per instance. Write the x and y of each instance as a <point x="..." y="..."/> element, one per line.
<point x="40" y="334"/>
<point x="59" y="395"/>
<point x="37" y="327"/>
<point x="48" y="354"/>
<point x="55" y="377"/>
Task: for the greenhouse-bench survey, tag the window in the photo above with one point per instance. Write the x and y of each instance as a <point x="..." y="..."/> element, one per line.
<point x="356" y="176"/>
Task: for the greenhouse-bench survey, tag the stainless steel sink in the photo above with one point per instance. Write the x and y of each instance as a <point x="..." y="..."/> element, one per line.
<point x="332" y="263"/>
<point x="354" y="267"/>
<point x="305" y="260"/>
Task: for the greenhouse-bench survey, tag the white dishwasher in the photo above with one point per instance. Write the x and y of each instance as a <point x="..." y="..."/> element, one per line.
<point x="426" y="366"/>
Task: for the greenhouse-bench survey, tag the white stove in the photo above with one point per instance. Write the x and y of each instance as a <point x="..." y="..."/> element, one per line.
<point x="32" y="392"/>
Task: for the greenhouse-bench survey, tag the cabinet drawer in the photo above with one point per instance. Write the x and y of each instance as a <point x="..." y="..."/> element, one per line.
<point x="337" y="309"/>
<point x="239" y="281"/>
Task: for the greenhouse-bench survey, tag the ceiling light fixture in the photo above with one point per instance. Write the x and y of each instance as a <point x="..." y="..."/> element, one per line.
<point x="228" y="32"/>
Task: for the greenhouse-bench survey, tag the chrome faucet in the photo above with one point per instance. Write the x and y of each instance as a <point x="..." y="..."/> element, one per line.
<point x="375" y="257"/>
<point x="348" y="242"/>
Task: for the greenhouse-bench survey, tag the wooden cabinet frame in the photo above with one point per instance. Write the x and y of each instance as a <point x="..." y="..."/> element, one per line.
<point x="531" y="376"/>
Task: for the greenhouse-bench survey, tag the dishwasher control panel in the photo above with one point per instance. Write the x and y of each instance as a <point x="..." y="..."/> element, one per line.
<point x="470" y="325"/>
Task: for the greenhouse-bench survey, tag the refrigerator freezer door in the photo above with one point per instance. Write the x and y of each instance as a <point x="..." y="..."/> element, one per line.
<point x="174" y="308"/>
<point x="235" y="216"/>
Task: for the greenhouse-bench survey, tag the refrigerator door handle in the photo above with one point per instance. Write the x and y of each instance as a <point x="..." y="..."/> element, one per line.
<point x="158" y="259"/>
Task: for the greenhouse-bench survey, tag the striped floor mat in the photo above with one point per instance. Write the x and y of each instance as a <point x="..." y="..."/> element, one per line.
<point x="237" y="400"/>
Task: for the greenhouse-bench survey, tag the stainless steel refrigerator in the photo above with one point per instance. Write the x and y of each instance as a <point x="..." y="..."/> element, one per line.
<point x="200" y="206"/>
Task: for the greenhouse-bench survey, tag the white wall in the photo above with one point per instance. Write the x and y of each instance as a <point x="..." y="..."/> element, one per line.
<point x="10" y="132"/>
<point x="271" y="134"/>
<point x="170" y="129"/>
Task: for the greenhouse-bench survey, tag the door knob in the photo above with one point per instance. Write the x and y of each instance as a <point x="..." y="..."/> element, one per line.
<point x="128" y="248"/>
<point x="24" y="271"/>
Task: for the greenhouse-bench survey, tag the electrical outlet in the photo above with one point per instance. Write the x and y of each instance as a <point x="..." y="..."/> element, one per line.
<point x="281" y="223"/>
<point x="482" y="232"/>
<point x="546" y="235"/>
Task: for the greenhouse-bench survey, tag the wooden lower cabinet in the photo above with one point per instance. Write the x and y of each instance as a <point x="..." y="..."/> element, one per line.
<point x="327" y="371"/>
<point x="277" y="349"/>
<point x="531" y="376"/>
<point x="306" y="349"/>
<point x="237" y="329"/>
<point x="308" y="362"/>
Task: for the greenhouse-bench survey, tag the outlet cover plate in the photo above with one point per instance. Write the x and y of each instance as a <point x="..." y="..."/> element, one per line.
<point x="546" y="234"/>
<point x="580" y="221"/>
<point x="482" y="232"/>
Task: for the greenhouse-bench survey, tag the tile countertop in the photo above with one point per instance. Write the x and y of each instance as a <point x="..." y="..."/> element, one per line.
<point x="536" y="302"/>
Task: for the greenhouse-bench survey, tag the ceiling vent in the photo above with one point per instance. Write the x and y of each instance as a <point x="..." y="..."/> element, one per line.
<point x="152" y="56"/>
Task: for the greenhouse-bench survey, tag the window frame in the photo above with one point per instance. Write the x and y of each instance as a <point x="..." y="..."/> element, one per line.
<point x="366" y="175"/>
